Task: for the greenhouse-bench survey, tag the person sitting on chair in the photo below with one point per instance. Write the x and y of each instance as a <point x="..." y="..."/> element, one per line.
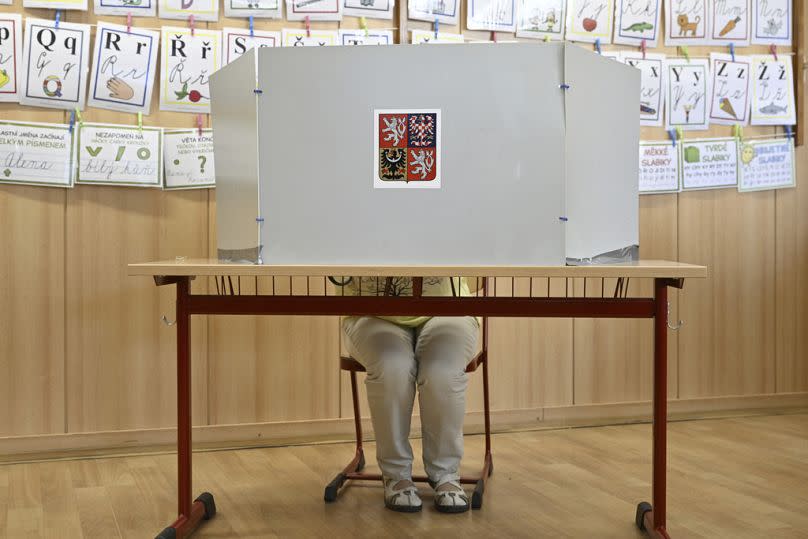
<point x="404" y="352"/>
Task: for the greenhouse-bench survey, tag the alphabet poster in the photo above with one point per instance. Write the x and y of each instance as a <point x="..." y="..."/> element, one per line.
<point x="427" y="36"/>
<point x="407" y="148"/>
<point x="444" y="11"/>
<point x="362" y="37"/>
<point x="589" y="20"/>
<point x="10" y="56"/>
<point x="55" y="64"/>
<point x="37" y="154"/>
<point x="492" y="15"/>
<point x="237" y="41"/>
<point x="187" y="63"/>
<point x="686" y="22"/>
<point x="316" y="38"/>
<point x="120" y="155"/>
<point x="659" y="167"/>
<point x="772" y="91"/>
<point x="315" y="10"/>
<point x="688" y="93"/>
<point x="766" y="164"/>
<point x="636" y="20"/>
<point x="539" y="18"/>
<point x="771" y="23"/>
<point x="730" y="22"/>
<point x="138" y="8"/>
<point x="188" y="159"/>
<point x="652" y="94"/>
<point x="730" y="97"/>
<point x="56" y="4"/>
<point x="709" y="163"/>
<point x="123" y="69"/>
<point x="268" y="9"/>
<point x="372" y="9"/>
<point x="202" y="10"/>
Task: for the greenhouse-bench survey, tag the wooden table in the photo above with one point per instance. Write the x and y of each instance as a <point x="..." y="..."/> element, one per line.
<point x="649" y="517"/>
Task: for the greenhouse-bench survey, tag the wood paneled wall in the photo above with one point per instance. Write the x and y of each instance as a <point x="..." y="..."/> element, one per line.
<point x="82" y="348"/>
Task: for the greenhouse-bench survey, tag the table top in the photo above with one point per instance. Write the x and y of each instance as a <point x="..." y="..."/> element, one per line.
<point x="638" y="269"/>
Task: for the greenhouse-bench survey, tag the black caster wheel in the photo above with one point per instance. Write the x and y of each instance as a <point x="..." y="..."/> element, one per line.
<point x="361" y="464"/>
<point x="210" y="506"/>
<point x="477" y="495"/>
<point x="168" y="533"/>
<point x="331" y="490"/>
<point x="639" y="518"/>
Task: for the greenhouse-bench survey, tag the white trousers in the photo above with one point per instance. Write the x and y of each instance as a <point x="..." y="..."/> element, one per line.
<point x="432" y="357"/>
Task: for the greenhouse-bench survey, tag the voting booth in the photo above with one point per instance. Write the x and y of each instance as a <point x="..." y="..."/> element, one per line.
<point x="481" y="154"/>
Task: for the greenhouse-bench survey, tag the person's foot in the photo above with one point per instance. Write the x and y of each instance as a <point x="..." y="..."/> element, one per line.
<point x="451" y="498"/>
<point x="401" y="496"/>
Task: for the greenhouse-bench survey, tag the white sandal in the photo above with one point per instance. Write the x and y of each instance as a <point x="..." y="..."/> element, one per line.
<point x="404" y="500"/>
<point x="451" y="501"/>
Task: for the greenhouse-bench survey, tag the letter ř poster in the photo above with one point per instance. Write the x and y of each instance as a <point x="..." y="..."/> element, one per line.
<point x="37" y="154"/>
<point x="407" y="148"/>
<point x="188" y="61"/>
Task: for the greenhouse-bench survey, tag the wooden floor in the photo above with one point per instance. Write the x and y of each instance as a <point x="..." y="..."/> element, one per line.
<point x="733" y="478"/>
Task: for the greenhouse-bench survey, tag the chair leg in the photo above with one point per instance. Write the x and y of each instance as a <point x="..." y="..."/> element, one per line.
<point x="358" y="462"/>
<point x="488" y="465"/>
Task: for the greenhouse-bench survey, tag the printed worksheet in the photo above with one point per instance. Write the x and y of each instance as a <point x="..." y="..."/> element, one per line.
<point x="773" y="100"/>
<point x="688" y="93"/>
<point x="686" y="22"/>
<point x="766" y="164"/>
<point x="366" y="37"/>
<point x="590" y="20"/>
<point x="771" y="22"/>
<point x="659" y="167"/>
<point x="188" y="159"/>
<point x="426" y="36"/>
<point x="120" y="155"/>
<point x="124" y="65"/>
<point x="202" y="10"/>
<point x="188" y="61"/>
<point x="652" y="95"/>
<point x="730" y="97"/>
<point x="499" y="15"/>
<point x="37" y="154"/>
<point x="541" y="18"/>
<point x="709" y="163"/>
<point x="137" y="8"/>
<point x="237" y="41"/>
<point x="266" y="9"/>
<point x="315" y="10"/>
<point x="636" y="20"/>
<point x="730" y="22"/>
<point x="444" y="11"/>
<point x="372" y="9"/>
<point x="10" y="56"/>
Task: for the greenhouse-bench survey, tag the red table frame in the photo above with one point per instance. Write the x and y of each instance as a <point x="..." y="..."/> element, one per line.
<point x="649" y="517"/>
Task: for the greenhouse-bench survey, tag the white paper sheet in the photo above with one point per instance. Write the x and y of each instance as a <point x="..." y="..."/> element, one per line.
<point x="369" y="37"/>
<point x="188" y="159"/>
<point x="444" y="11"/>
<point x="187" y="63"/>
<point x="10" y="56"/>
<point x="772" y="22"/>
<point x="266" y="9"/>
<point x="766" y="164"/>
<point x="426" y="36"/>
<point x="37" y="154"/>
<point x="237" y="41"/>
<point x="372" y="9"/>
<point x="56" y="4"/>
<point x="120" y="155"/>
<point x="202" y="10"/>
<point x="659" y="167"/>
<point x="773" y="100"/>
<point x="729" y="104"/>
<point x="293" y="37"/>
<point x="138" y="8"/>
<point x="686" y="22"/>
<point x="709" y="163"/>
<point x="315" y="10"/>
<point x="499" y="15"/>
<point x="652" y="96"/>
<point x="730" y="22"/>
<point x="688" y="93"/>
<point x="590" y="20"/>
<point x="635" y="20"/>
<point x="539" y="18"/>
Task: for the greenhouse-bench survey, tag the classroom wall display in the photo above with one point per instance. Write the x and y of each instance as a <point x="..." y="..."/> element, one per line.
<point x="659" y="167"/>
<point x="372" y="9"/>
<point x="10" y="56"/>
<point x="730" y="22"/>
<point x="266" y="9"/>
<point x="444" y="11"/>
<point x="766" y="164"/>
<point x="187" y="62"/>
<point x="709" y="163"/>
<point x="688" y="93"/>
<point x="55" y="64"/>
<point x="138" y="8"/>
<point x="5" y="2"/>
<point x="427" y="36"/>
<point x="119" y="155"/>
<point x="772" y="91"/>
<point x="729" y="104"/>
<point x="366" y="37"/>
<point x="491" y="15"/>
<point x="686" y="22"/>
<point x="407" y="148"/>
<point x="635" y="20"/>
<point x="202" y="10"/>
<point x="315" y="10"/>
<point x="56" y="4"/>
<point x="590" y="20"/>
<point x="237" y="41"/>
<point x="539" y="18"/>
<point x="188" y="159"/>
<point x="292" y="37"/>
<point x="123" y="68"/>
<point x="37" y="154"/>
<point x="771" y="22"/>
<point x="652" y="96"/>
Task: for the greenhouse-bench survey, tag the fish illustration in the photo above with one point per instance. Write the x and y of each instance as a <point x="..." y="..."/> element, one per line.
<point x="771" y="108"/>
<point x="639" y="27"/>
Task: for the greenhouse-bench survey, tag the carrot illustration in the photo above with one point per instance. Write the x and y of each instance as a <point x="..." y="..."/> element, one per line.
<point x="729" y="27"/>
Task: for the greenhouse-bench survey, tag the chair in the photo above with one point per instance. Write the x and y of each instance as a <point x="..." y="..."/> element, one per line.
<point x="354" y="468"/>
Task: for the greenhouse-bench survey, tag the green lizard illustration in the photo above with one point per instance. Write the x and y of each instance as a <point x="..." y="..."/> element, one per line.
<point x="639" y="27"/>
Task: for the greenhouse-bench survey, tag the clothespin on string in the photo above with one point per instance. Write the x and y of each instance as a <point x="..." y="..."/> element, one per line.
<point x="737" y="132"/>
<point x="493" y="36"/>
<point x="643" y="46"/>
<point x="732" y="51"/>
<point x="252" y="27"/>
<point x="72" y="121"/>
<point x="437" y="27"/>
<point x="363" y="24"/>
<point x="58" y="18"/>
<point x="685" y="52"/>
<point x="192" y="23"/>
<point x="597" y="46"/>
<point x="307" y="20"/>
<point x="140" y="121"/>
<point x="672" y="135"/>
<point x="789" y="131"/>
<point x="546" y="38"/>
<point x="773" y="50"/>
<point x="199" y="124"/>
<point x="128" y="23"/>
